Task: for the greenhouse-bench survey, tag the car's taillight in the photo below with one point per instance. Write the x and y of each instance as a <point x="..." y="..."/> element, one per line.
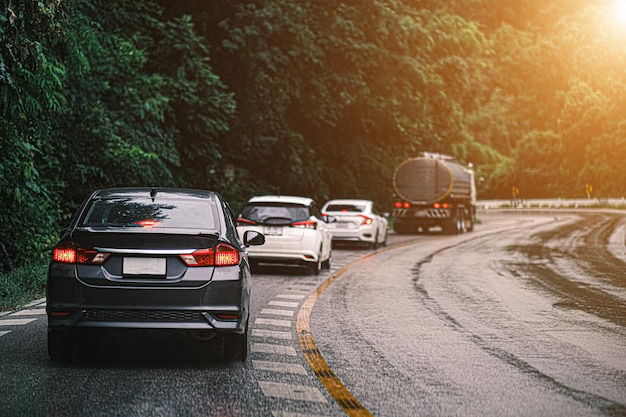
<point x="226" y="255"/>
<point x="366" y="220"/>
<point x="406" y="205"/>
<point x="243" y="221"/>
<point x="222" y="255"/>
<point x="306" y="224"/>
<point x="90" y="256"/>
<point x="67" y="253"/>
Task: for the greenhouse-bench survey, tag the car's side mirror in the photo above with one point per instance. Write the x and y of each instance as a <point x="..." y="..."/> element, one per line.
<point x="386" y="214"/>
<point x="330" y="219"/>
<point x="253" y="238"/>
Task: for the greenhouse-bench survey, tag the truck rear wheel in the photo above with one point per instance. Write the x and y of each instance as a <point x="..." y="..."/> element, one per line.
<point x="454" y="225"/>
<point x="402" y="228"/>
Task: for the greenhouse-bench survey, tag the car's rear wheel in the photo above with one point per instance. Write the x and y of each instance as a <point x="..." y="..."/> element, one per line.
<point x="315" y="267"/>
<point x="236" y="346"/>
<point x="60" y="345"/>
<point x="326" y="263"/>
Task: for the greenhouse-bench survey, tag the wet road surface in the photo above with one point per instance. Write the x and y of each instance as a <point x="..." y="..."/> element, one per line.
<point x="522" y="317"/>
<point x="512" y="321"/>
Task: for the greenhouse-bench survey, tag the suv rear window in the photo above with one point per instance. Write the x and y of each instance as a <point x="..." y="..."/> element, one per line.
<point x="275" y="213"/>
<point x="125" y="212"/>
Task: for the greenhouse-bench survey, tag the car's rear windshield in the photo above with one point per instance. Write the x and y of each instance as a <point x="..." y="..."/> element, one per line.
<point x="275" y="212"/>
<point x="136" y="212"/>
<point x="352" y="208"/>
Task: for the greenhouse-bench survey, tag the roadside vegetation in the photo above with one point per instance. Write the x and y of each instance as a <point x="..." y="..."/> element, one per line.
<point x="305" y="98"/>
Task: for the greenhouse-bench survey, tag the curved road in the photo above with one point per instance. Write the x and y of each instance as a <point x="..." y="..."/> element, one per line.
<point x="524" y="316"/>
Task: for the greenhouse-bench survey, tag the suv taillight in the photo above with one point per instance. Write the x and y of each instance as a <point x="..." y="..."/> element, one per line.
<point x="221" y="255"/>
<point x="306" y="224"/>
<point x="242" y="221"/>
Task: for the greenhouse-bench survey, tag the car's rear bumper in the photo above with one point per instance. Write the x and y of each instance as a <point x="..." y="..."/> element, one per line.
<point x="220" y="306"/>
<point x="283" y="254"/>
<point x="354" y="235"/>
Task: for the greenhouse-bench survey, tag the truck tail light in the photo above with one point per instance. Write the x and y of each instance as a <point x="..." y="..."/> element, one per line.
<point x="397" y="204"/>
<point x="406" y="205"/>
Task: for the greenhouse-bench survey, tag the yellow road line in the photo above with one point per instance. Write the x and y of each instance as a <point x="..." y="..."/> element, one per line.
<point x="333" y="385"/>
<point x="331" y="382"/>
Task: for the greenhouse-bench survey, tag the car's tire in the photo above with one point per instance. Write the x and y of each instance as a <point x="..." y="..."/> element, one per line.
<point x="61" y="345"/>
<point x="315" y="267"/>
<point x="236" y="347"/>
<point x="327" y="262"/>
<point x="374" y="244"/>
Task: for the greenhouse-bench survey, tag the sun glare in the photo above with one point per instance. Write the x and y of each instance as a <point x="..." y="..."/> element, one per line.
<point x="618" y="11"/>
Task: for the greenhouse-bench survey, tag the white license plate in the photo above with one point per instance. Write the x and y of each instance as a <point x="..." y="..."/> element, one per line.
<point x="343" y="225"/>
<point x="144" y="266"/>
<point x="273" y="230"/>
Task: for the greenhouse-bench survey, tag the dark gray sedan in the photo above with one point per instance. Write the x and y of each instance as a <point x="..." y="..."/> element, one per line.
<point x="142" y="260"/>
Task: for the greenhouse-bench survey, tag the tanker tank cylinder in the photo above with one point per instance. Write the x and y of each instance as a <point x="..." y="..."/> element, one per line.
<point x="425" y="180"/>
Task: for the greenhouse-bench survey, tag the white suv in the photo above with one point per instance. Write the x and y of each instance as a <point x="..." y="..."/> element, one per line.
<point x="294" y="228"/>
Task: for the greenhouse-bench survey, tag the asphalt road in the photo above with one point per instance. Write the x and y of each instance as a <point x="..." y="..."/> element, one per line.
<point x="525" y="316"/>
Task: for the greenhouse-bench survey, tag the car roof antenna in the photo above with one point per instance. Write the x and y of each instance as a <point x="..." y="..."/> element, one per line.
<point x="153" y="193"/>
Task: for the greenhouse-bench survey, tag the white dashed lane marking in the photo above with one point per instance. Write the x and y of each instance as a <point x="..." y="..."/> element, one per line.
<point x="272" y="322"/>
<point x="11" y="320"/>
<point x="16" y="322"/>
<point x="271" y="334"/>
<point x="291" y="391"/>
<point x="275" y="349"/>
<point x="291" y="296"/>
<point x="282" y="353"/>
<point x="284" y="304"/>
<point x="287" y="368"/>
<point x="277" y="312"/>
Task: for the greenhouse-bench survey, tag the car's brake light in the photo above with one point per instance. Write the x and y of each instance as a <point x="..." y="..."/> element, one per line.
<point x="406" y="205"/>
<point x="67" y="253"/>
<point x="222" y="255"/>
<point x="242" y="220"/>
<point x="149" y="223"/>
<point x="306" y="224"/>
<point x="90" y="256"/>
<point x="366" y="220"/>
<point x="226" y="255"/>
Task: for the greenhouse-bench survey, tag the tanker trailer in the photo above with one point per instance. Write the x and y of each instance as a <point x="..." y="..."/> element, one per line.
<point x="434" y="190"/>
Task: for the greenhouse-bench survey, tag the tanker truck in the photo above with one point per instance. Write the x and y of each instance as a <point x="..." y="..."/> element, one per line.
<point x="434" y="190"/>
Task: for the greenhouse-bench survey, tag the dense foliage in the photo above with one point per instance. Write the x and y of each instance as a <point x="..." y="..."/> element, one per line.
<point x="309" y="98"/>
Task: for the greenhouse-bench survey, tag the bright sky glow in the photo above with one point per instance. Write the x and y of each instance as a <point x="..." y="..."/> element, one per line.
<point x="619" y="12"/>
